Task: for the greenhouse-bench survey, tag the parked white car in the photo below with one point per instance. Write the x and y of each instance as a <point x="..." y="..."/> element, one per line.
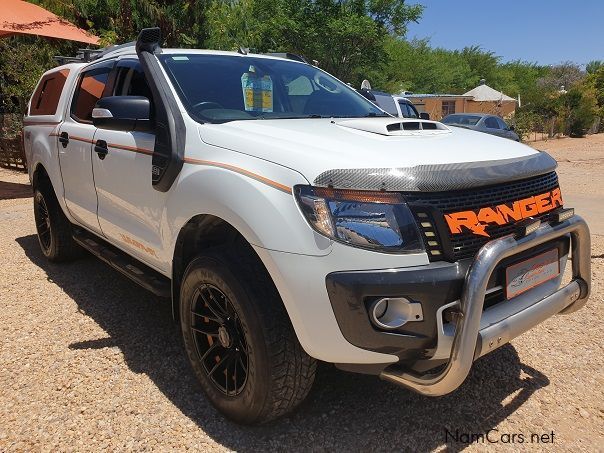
<point x="290" y="220"/>
<point x="398" y="106"/>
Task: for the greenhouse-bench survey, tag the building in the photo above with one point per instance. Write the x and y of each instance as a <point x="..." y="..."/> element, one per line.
<point x="482" y="99"/>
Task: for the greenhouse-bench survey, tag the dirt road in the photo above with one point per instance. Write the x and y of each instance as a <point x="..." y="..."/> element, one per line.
<point x="88" y="361"/>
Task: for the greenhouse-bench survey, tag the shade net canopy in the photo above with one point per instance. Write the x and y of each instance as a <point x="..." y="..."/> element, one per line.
<point x="19" y="17"/>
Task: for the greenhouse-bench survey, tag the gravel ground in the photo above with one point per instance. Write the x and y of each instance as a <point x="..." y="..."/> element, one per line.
<point x="89" y="361"/>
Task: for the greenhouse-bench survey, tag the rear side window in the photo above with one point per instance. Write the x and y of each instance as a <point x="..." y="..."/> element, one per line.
<point x="46" y="98"/>
<point x="91" y="88"/>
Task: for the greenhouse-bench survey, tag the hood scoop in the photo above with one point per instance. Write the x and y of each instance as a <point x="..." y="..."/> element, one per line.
<point x="396" y="126"/>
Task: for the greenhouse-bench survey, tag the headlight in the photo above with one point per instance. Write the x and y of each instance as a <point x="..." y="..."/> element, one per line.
<point x="368" y="219"/>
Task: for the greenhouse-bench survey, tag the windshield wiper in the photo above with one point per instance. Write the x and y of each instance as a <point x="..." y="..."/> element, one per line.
<point x="375" y="115"/>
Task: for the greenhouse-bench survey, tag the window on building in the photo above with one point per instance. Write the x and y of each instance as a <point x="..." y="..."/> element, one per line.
<point x="448" y="108"/>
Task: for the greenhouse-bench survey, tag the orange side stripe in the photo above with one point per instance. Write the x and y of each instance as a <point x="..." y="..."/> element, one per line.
<point x="80" y="139"/>
<point x="189" y="160"/>
<point x="241" y="171"/>
<point x="110" y="145"/>
<point x="131" y="148"/>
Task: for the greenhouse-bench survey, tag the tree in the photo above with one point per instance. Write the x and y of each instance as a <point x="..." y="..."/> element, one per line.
<point x="346" y="37"/>
<point x="593" y="66"/>
<point x="562" y="75"/>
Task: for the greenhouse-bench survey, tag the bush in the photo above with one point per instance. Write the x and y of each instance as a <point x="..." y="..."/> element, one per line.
<point x="579" y="108"/>
<point x="525" y="122"/>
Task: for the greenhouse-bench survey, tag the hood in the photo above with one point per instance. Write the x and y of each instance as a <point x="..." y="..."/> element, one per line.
<point x="314" y="146"/>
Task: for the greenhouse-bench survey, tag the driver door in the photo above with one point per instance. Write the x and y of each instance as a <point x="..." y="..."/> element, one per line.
<point x="129" y="209"/>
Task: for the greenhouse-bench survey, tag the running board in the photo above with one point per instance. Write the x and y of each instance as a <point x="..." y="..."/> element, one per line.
<point x="132" y="268"/>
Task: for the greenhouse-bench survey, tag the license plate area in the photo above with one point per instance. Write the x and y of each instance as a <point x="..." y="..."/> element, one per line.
<point x="529" y="273"/>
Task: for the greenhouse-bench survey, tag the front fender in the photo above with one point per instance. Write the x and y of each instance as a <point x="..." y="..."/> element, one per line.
<point x="253" y="195"/>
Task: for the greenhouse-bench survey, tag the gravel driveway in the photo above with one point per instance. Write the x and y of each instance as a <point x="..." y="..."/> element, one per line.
<point x="89" y="361"/>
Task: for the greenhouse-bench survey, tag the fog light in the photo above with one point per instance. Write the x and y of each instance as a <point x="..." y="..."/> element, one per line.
<point x="394" y="312"/>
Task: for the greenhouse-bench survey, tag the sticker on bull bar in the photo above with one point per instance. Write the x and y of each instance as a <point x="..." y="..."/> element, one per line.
<point x="533" y="272"/>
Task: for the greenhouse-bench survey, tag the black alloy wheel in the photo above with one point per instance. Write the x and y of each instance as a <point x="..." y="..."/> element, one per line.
<point x="43" y="224"/>
<point x="219" y="339"/>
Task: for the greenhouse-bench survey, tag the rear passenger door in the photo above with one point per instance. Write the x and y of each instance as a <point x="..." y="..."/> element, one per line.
<point x="129" y="209"/>
<point x="75" y="145"/>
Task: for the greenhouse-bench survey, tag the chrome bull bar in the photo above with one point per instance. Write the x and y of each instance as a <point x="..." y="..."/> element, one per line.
<point x="469" y="341"/>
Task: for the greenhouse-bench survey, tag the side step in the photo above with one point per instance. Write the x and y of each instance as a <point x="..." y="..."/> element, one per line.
<point x="130" y="267"/>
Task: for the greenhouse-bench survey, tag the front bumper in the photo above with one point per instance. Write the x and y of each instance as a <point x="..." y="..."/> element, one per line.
<point x="470" y="340"/>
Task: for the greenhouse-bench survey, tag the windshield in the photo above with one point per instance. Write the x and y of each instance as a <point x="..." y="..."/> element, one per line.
<point x="461" y="120"/>
<point x="220" y="88"/>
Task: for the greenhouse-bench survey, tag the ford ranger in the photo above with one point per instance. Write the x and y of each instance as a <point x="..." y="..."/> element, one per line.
<point x="290" y="220"/>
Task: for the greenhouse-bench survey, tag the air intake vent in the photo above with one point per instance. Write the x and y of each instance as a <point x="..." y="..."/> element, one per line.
<point x="393" y="126"/>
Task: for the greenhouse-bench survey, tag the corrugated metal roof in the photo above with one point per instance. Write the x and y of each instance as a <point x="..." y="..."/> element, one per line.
<point x="486" y="93"/>
<point x="434" y="95"/>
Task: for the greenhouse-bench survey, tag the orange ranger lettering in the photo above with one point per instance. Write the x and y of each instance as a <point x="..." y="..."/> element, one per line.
<point x="477" y="222"/>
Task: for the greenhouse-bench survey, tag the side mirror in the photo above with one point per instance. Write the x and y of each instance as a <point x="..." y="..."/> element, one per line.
<point x="424" y="116"/>
<point x="122" y="113"/>
<point x="511" y="128"/>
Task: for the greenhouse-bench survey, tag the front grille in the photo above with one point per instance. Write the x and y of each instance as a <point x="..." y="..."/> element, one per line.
<point x="429" y="209"/>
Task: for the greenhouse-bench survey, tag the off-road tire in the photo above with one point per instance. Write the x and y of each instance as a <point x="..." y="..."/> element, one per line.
<point x="53" y="228"/>
<point x="279" y="372"/>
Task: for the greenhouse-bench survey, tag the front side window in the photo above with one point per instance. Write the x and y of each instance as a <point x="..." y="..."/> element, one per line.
<point x="91" y="88"/>
<point x="407" y="110"/>
<point x="220" y="88"/>
<point x="502" y="124"/>
<point x="491" y="123"/>
<point x="130" y="80"/>
<point x="386" y="103"/>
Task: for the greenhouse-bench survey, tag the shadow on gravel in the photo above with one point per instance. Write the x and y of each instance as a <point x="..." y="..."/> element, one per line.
<point x="343" y="411"/>
<point x="11" y="190"/>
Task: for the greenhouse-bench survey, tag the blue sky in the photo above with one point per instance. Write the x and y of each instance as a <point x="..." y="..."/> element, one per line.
<point x="542" y="31"/>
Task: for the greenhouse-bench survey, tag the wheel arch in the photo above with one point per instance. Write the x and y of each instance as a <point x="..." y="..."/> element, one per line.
<point x="39" y="174"/>
<point x="200" y="233"/>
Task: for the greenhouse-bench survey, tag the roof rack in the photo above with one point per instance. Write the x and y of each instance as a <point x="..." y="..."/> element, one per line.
<point x="88" y="55"/>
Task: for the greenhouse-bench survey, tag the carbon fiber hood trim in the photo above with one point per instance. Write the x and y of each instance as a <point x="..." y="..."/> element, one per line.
<point x="440" y="177"/>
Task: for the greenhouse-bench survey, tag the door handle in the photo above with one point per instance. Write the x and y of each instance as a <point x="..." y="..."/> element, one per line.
<point x="64" y="139"/>
<point x="101" y="149"/>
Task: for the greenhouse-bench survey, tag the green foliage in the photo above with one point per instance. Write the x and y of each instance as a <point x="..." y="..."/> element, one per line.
<point x="525" y="122"/>
<point x="345" y="37"/>
<point x="352" y="39"/>
<point x="595" y="83"/>
<point x="577" y="108"/>
<point x="593" y="66"/>
<point x="23" y="59"/>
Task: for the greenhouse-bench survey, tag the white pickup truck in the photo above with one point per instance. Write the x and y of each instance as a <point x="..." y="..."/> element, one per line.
<point x="290" y="220"/>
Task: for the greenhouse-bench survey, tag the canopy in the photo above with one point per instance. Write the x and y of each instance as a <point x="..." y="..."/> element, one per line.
<point x="19" y="17"/>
